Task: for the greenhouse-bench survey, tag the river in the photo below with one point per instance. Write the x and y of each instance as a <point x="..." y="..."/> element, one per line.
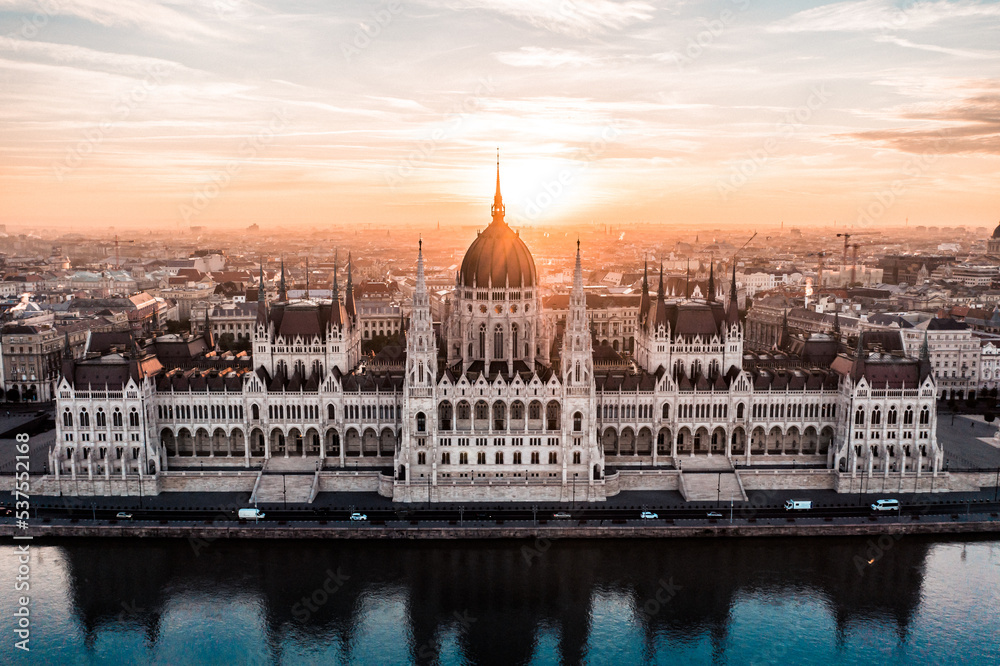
<point x="911" y="600"/>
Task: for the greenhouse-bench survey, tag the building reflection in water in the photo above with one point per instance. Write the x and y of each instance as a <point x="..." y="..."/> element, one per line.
<point x="496" y="598"/>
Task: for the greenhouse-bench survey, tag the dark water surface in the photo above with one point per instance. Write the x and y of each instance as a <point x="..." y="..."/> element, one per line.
<point x="738" y="601"/>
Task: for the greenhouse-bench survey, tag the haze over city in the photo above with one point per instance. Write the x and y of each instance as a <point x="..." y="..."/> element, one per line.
<point x="143" y="115"/>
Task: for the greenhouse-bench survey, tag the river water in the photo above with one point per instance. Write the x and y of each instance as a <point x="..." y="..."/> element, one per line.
<point x="912" y="600"/>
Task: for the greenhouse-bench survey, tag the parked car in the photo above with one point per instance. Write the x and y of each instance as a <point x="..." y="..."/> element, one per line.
<point x="358" y="516"/>
<point x="714" y="514"/>
<point x="886" y="505"/>
<point x="798" y="505"/>
<point x="124" y="515"/>
<point x="561" y="514"/>
<point x="648" y="514"/>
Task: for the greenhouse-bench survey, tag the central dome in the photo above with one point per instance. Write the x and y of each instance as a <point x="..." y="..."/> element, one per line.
<point x="498" y="257"/>
<point x="996" y="232"/>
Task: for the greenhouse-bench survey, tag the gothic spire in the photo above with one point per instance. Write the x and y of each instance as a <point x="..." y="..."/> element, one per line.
<point x="710" y="296"/>
<point x="261" y="297"/>
<point x="498" y="208"/>
<point x="349" y="297"/>
<point x="282" y="289"/>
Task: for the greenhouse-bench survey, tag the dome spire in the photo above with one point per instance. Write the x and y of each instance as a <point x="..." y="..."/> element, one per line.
<point x="498" y="208"/>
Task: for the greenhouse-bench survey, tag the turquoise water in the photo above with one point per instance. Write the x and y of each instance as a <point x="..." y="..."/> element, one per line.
<point x="751" y="601"/>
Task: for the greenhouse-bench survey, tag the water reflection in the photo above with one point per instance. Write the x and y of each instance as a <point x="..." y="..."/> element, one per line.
<point x="485" y="602"/>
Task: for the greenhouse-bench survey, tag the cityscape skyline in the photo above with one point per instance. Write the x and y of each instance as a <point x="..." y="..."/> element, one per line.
<point x="863" y="113"/>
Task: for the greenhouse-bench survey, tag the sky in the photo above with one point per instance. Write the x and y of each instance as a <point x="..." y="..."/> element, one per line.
<point x="743" y="113"/>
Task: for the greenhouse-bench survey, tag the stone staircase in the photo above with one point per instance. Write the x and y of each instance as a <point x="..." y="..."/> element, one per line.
<point x="709" y="486"/>
<point x="297" y="488"/>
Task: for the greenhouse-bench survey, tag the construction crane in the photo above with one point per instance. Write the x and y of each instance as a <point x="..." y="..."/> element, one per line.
<point x="118" y="259"/>
<point x="847" y="239"/>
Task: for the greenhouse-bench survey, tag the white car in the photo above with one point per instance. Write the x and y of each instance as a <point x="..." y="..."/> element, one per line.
<point x="886" y="505"/>
<point x="358" y="516"/>
<point x="561" y="515"/>
<point x="647" y="515"/>
<point x="124" y="515"/>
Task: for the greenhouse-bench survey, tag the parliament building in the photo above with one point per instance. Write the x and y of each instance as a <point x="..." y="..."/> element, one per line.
<point x="499" y="401"/>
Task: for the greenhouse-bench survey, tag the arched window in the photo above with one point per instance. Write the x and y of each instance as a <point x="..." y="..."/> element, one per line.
<point x="498" y="349"/>
<point x="925" y="416"/>
<point x="666" y="410"/>
<point x="513" y="338"/>
<point x="859" y="416"/>
<point x="68" y="418"/>
<point x="908" y="416"/>
<point x="255" y="412"/>
<point x="535" y="411"/>
<point x="891" y="417"/>
<point x="482" y="411"/>
<point x="102" y="419"/>
<point x="739" y="410"/>
<point x="482" y="340"/>
<point x="116" y="418"/>
<point x="876" y="416"/>
<point x="577" y="422"/>
<point x="421" y="422"/>
<point x="84" y="418"/>
<point x="517" y="410"/>
<point x="331" y="412"/>
<point x="444" y="415"/>
<point x="133" y="418"/>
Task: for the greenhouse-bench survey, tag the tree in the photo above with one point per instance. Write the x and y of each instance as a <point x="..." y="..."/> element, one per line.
<point x="226" y="341"/>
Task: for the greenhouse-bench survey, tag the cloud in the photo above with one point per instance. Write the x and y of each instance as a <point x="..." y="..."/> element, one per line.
<point x="881" y="16"/>
<point x="970" y="126"/>
<point x="533" y="56"/>
<point x="142" y="14"/>
<point x="570" y="17"/>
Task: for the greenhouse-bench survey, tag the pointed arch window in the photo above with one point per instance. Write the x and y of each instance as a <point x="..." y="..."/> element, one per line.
<point x="498" y="349"/>
<point x="482" y="340"/>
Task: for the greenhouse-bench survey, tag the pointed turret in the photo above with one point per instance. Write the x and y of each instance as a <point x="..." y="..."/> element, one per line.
<point x="710" y="295"/>
<point x="687" y="281"/>
<point x="836" y="325"/>
<point x="858" y="366"/>
<point x="307" y="278"/>
<point x="577" y="354"/>
<point x="209" y="338"/>
<point x="352" y="311"/>
<point x="282" y="289"/>
<point x="336" y="309"/>
<point x="261" y="298"/>
<point x="644" y="301"/>
<point x="925" y="359"/>
<point x="498" y="209"/>
<point x="733" y="311"/>
<point x="785" y="338"/>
